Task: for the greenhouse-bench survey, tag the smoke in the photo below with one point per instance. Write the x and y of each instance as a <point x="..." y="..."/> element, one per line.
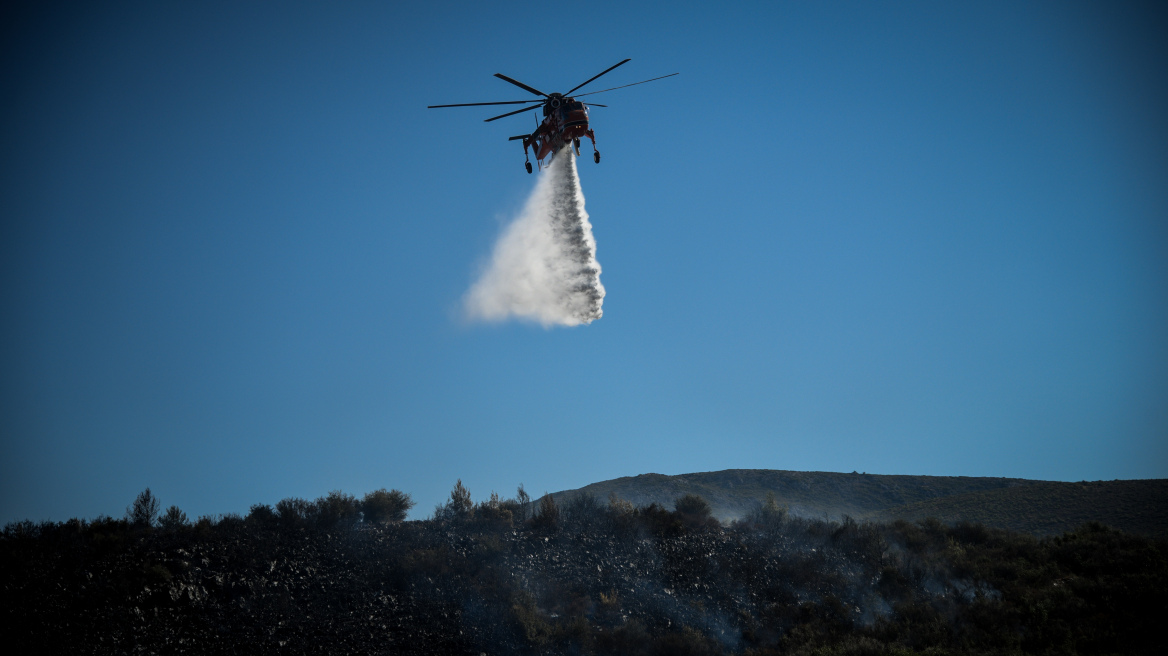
<point x="544" y="267"/>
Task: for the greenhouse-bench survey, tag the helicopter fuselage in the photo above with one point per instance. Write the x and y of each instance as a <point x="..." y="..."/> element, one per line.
<point x="565" y="122"/>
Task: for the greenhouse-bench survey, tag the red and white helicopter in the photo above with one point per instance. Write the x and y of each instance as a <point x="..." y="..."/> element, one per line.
<point x="565" y="119"/>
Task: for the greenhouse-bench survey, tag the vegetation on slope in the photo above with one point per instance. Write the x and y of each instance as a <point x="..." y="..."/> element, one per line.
<point x="1049" y="508"/>
<point x="734" y="492"/>
<point x="582" y="576"/>
<point x="1036" y="507"/>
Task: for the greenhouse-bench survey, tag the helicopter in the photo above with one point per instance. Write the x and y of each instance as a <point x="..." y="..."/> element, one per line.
<point x="565" y="119"/>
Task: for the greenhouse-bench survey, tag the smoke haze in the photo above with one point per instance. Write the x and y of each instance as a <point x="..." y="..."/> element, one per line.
<point x="544" y="266"/>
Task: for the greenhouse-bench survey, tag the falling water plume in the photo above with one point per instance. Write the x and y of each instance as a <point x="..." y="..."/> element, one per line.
<point x="544" y="267"/>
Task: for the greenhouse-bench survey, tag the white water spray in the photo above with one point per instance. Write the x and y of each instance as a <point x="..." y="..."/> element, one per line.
<point x="544" y="264"/>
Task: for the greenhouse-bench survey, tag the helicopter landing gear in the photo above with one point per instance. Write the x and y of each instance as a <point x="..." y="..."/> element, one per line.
<point x="576" y="145"/>
<point x="596" y="157"/>
<point x="528" y="165"/>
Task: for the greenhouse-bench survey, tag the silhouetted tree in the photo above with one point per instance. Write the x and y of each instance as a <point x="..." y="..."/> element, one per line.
<point x="144" y="510"/>
<point x="458" y="507"/>
<point x="335" y="508"/>
<point x="292" y="511"/>
<point x="173" y="518"/>
<point x="547" y="516"/>
<point x="524" y="501"/>
<point x="618" y="506"/>
<point x="583" y="510"/>
<point x="693" y="507"/>
<point x="261" y="514"/>
<point x="768" y="514"/>
<point x="494" y="509"/>
<point x="383" y="507"/>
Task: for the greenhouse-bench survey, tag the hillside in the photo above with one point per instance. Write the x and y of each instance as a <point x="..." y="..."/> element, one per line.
<point x="1049" y="508"/>
<point x="734" y="492"/>
<point x="588" y="578"/>
<point x="1035" y="507"/>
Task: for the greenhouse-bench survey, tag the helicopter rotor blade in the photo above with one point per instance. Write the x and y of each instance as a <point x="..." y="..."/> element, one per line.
<point x="505" y="102"/>
<point x="518" y="111"/>
<point x="595" y="105"/>
<point x="596" y="76"/>
<point x="580" y="95"/>
<point x="520" y="85"/>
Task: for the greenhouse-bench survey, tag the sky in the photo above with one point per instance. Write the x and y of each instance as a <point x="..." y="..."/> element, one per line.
<point x="899" y="238"/>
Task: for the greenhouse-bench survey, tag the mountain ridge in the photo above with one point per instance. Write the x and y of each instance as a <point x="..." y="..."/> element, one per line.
<point x="1027" y="505"/>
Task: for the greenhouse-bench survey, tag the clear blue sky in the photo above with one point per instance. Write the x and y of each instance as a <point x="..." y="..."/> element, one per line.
<point x="901" y="238"/>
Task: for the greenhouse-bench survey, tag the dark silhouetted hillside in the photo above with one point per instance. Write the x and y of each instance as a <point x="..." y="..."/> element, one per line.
<point x="580" y="577"/>
<point x="1036" y="507"/>
<point x="735" y="492"/>
<point x="1049" y="508"/>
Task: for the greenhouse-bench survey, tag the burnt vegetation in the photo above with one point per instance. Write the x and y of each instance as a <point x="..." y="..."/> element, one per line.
<point x="580" y="575"/>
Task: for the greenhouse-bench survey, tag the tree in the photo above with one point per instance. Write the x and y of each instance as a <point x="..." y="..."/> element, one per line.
<point x="460" y="501"/>
<point x="768" y="514"/>
<point x="292" y="511"/>
<point x="524" y="501"/>
<point x="694" y="511"/>
<point x="495" y="509"/>
<point x="261" y="514"/>
<point x="583" y="510"/>
<point x="548" y="514"/>
<point x="335" y="508"/>
<point x="383" y="507"/>
<point x="458" y="507"/>
<point x="173" y="518"/>
<point x="693" y="507"/>
<point x="144" y="510"/>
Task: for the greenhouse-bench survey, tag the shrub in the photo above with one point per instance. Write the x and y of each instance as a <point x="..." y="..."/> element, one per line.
<point x="292" y="511"/>
<point x="524" y="502"/>
<point x="768" y="514"/>
<point x="583" y="510"/>
<point x="144" y="510"/>
<point x="21" y="529"/>
<point x="516" y="509"/>
<point x="618" y="506"/>
<point x="693" y="509"/>
<point x="334" y="509"/>
<point x="382" y="507"/>
<point x="547" y="516"/>
<point x="494" y="509"/>
<point x="229" y="522"/>
<point x="458" y="507"/>
<point x="173" y="519"/>
<point x="204" y="524"/>
<point x="261" y="514"/>
<point x="659" y="521"/>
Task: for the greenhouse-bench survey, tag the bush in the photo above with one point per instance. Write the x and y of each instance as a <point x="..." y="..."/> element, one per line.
<point x="693" y="509"/>
<point x="768" y="514"/>
<point x="459" y="506"/>
<point x="144" y="510"/>
<point x="335" y="508"/>
<point x="547" y="516"/>
<point x="292" y="511"/>
<point x="382" y="507"/>
<point x="496" y="510"/>
<point x="261" y="514"/>
<point x="583" y="510"/>
<point x="523" y="501"/>
<point x="173" y="519"/>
